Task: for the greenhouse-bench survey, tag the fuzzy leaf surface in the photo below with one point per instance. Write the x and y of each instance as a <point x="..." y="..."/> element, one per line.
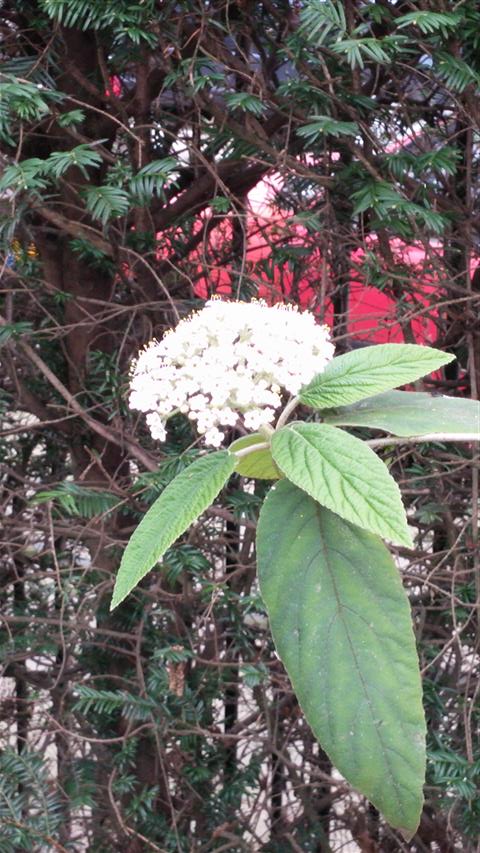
<point x="370" y="370"/>
<point x="181" y="502"/>
<point x="407" y="413"/>
<point x="341" y="624"/>
<point x="344" y="474"/>
<point x="259" y="465"/>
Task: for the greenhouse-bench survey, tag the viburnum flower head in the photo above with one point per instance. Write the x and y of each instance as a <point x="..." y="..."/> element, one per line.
<point x="226" y="364"/>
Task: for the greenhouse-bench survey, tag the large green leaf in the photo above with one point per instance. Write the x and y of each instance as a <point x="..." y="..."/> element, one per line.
<point x="409" y="413"/>
<point x="341" y="624"/>
<point x="344" y="474"/>
<point x="369" y="371"/>
<point x="180" y="503"/>
<point x="259" y="464"/>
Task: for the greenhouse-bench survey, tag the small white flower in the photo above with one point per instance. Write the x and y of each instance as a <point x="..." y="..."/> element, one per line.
<point x="214" y="437"/>
<point x="228" y="362"/>
<point x="157" y="427"/>
<point x="255" y="418"/>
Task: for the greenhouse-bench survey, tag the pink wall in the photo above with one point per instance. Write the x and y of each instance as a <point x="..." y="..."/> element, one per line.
<point x="372" y="315"/>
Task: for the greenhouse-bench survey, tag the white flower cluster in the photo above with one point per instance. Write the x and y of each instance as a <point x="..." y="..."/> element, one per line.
<point x="229" y="360"/>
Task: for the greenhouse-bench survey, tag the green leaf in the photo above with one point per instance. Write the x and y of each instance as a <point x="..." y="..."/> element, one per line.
<point x="456" y="73"/>
<point x="326" y="125"/>
<point x="71" y="117"/>
<point x="359" y="49"/>
<point x="342" y="627"/>
<point x="14" y="330"/>
<point x="180" y="504"/>
<point x="322" y="18"/>
<point x="344" y="474"/>
<point x="409" y="413"/>
<point x="152" y="178"/>
<point x="77" y="500"/>
<point x="25" y="175"/>
<point x="82" y="156"/>
<point x="259" y="465"/>
<point x="247" y="102"/>
<point x="370" y="370"/>
<point x="22" y="101"/>
<point x="106" y="202"/>
<point x="378" y="195"/>
<point x="429" y="22"/>
<point x="385" y="201"/>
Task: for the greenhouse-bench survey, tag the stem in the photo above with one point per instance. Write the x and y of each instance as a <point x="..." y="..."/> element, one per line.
<point x="287" y="412"/>
<point x="432" y="436"/>
<point x="245" y="451"/>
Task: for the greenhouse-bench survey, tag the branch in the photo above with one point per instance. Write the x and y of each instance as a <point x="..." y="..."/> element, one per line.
<point x="76" y="229"/>
<point x="246" y="451"/>
<point x="106" y="433"/>
<point x="431" y="436"/>
<point x="238" y="178"/>
<point x="289" y="408"/>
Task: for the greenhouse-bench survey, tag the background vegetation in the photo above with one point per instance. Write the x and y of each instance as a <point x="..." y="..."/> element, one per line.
<point x="131" y="136"/>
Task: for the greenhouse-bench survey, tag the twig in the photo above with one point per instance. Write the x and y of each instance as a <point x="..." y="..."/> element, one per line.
<point x="245" y="451"/>
<point x="287" y="412"/>
<point x="431" y="436"/>
<point x="106" y="433"/>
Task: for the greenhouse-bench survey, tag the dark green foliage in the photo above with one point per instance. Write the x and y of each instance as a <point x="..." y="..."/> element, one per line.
<point x="130" y="136"/>
<point x="30" y="811"/>
<point x="77" y="500"/>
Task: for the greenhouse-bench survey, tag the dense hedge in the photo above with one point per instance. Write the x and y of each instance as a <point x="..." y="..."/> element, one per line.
<point x="131" y="137"/>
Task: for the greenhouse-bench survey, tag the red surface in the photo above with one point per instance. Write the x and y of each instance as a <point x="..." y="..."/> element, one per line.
<point x="372" y="315"/>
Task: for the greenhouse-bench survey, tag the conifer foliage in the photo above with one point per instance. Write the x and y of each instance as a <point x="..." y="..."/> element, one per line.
<point x="132" y="135"/>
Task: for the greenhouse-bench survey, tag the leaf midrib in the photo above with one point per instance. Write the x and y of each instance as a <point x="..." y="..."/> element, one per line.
<point x="380" y="499"/>
<point x="354" y="656"/>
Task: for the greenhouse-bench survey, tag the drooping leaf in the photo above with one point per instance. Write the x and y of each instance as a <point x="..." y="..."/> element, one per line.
<point x="259" y="464"/>
<point x="342" y="627"/>
<point x="180" y="504"/>
<point x="455" y="72"/>
<point x="320" y="19"/>
<point x="370" y="370"/>
<point x="409" y="413"/>
<point x="344" y="474"/>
